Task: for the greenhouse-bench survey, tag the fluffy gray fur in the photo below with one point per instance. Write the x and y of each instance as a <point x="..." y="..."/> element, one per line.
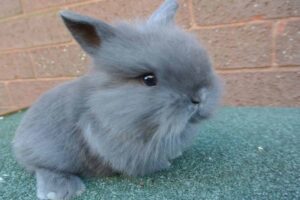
<point x="108" y="121"/>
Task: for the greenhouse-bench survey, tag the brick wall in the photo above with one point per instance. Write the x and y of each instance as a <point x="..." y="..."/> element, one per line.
<point x="255" y="45"/>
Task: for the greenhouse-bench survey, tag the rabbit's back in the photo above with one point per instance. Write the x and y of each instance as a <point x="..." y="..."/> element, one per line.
<point x="48" y="134"/>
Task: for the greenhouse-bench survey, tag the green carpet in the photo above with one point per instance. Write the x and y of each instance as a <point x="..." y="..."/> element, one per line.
<point x="243" y="153"/>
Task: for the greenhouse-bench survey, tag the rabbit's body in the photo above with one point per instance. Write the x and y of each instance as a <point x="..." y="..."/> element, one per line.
<point x="137" y="109"/>
<point x="69" y="138"/>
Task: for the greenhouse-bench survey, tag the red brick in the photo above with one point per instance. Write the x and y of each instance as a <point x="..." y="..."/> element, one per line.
<point x="15" y="66"/>
<point x="238" y="46"/>
<point x="117" y="10"/>
<point x="33" y="30"/>
<point x="4" y="97"/>
<point x="59" y="61"/>
<point x="24" y="93"/>
<point x="262" y="89"/>
<point x="9" y="8"/>
<point x="219" y="12"/>
<point x="32" y="5"/>
<point x="288" y="43"/>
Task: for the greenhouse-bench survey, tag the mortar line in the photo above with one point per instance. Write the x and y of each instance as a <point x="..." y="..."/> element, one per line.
<point x="8" y="92"/>
<point x="32" y="65"/>
<point x="242" y="23"/>
<point x="274" y="36"/>
<point x="191" y="14"/>
<point x="269" y="69"/>
<point x="41" y="79"/>
<point x="42" y="46"/>
<point x="47" y="10"/>
<point x="22" y="6"/>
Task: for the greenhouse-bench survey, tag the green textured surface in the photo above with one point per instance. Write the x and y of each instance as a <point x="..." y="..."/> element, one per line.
<point x="243" y="153"/>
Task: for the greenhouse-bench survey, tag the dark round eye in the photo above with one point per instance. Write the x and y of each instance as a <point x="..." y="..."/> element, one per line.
<point x="149" y="79"/>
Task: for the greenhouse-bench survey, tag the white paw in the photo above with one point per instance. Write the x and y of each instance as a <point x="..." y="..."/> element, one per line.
<point x="41" y="195"/>
<point x="58" y="187"/>
<point x="52" y="196"/>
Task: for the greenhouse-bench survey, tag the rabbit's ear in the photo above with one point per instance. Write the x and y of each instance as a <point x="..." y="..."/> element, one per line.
<point x="88" y="32"/>
<point x="165" y="14"/>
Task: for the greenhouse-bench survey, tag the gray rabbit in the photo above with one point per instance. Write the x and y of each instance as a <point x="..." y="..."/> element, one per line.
<point x="138" y="107"/>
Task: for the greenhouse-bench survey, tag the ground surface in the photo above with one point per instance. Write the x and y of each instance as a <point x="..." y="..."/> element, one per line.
<point x="243" y="153"/>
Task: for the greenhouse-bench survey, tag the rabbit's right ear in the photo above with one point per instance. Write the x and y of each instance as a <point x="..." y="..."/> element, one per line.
<point x="88" y="32"/>
<point x="165" y="14"/>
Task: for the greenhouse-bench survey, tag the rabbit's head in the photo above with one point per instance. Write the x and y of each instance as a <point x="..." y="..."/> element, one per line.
<point x="148" y="77"/>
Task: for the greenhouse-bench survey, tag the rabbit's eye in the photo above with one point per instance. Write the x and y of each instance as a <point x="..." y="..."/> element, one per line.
<point x="149" y="80"/>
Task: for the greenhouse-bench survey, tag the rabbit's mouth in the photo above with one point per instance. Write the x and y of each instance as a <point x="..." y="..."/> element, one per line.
<point x="198" y="117"/>
<point x="198" y="113"/>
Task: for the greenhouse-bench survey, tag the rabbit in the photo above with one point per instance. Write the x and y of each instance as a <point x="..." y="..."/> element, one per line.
<point x="139" y="106"/>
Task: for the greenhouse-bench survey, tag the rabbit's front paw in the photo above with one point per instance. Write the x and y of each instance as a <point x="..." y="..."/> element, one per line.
<point x="57" y="186"/>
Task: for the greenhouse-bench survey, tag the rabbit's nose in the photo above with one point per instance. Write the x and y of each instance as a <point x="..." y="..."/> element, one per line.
<point x="195" y="100"/>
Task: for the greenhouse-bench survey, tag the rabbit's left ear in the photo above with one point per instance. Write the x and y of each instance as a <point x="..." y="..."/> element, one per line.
<point x="87" y="31"/>
<point x="165" y="14"/>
